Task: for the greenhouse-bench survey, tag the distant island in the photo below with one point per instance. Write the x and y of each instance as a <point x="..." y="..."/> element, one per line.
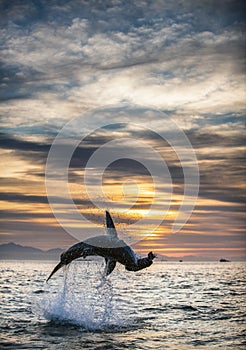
<point x="224" y="260"/>
<point x="13" y="251"/>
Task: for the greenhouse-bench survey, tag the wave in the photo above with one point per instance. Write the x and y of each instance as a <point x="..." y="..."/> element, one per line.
<point x="88" y="306"/>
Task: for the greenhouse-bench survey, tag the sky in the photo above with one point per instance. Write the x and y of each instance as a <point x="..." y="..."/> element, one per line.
<point x="185" y="60"/>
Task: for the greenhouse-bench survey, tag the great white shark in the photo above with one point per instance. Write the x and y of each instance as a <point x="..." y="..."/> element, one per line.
<point x="110" y="247"/>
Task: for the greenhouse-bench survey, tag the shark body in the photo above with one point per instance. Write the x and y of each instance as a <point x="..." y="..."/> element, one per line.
<point x="108" y="246"/>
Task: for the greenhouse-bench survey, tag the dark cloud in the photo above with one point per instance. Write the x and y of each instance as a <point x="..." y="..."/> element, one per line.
<point x="20" y="198"/>
<point x="221" y="208"/>
<point x="192" y="241"/>
<point x="144" y="34"/>
<point x="200" y="139"/>
<point x="118" y="169"/>
<point x="15" y="197"/>
<point x="32" y="11"/>
<point x="8" y="141"/>
<point x="226" y="166"/>
<point x="24" y="215"/>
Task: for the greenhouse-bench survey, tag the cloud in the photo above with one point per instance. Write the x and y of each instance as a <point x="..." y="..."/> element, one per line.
<point x="213" y="162"/>
<point x="102" y="56"/>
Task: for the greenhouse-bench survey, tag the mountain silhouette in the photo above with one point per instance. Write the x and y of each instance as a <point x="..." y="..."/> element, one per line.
<point x="13" y="251"/>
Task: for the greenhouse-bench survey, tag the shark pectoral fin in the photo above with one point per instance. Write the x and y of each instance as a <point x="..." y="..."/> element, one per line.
<point x="110" y="265"/>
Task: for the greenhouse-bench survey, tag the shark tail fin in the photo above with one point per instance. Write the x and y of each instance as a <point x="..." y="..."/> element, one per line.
<point x="58" y="266"/>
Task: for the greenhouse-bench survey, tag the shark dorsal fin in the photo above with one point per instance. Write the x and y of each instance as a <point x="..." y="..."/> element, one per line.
<point x="111" y="230"/>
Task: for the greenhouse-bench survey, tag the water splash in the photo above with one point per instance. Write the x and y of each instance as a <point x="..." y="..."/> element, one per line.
<point x="78" y="299"/>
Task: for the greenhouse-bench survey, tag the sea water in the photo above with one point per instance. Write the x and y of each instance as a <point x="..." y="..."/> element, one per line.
<point x="170" y="305"/>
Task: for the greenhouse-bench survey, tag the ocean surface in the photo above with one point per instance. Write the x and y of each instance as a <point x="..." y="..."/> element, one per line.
<point x="170" y="305"/>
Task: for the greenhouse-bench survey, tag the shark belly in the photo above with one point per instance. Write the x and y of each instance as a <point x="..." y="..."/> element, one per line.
<point x="115" y="249"/>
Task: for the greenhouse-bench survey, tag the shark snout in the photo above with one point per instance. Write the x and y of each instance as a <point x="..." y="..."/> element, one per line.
<point x="151" y="256"/>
